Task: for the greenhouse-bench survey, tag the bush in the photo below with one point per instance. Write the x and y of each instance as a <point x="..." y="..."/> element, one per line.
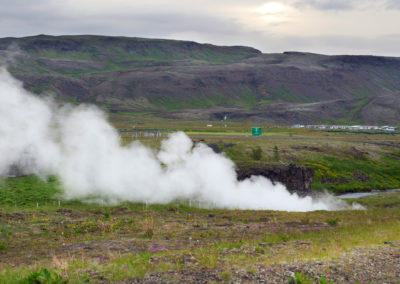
<point x="106" y="215"/>
<point x="322" y="280"/>
<point x="44" y="276"/>
<point x="300" y="278"/>
<point x="149" y="227"/>
<point x="256" y="153"/>
<point x="226" y="276"/>
<point x="333" y="221"/>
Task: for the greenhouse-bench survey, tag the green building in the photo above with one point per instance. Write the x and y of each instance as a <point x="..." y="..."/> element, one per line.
<point x="256" y="131"/>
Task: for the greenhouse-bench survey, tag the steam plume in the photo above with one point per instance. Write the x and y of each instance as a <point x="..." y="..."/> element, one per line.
<point x="83" y="150"/>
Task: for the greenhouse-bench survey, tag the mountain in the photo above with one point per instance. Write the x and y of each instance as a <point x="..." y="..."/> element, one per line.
<point x="184" y="79"/>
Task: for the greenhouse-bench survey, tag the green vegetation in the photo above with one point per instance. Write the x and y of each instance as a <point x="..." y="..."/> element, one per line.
<point x="355" y="173"/>
<point x="44" y="276"/>
<point x="276" y="154"/>
<point x="351" y="116"/>
<point x="333" y="221"/>
<point x="341" y="162"/>
<point x="226" y="276"/>
<point x="241" y="96"/>
<point x="28" y="190"/>
<point x="284" y="94"/>
<point x="256" y="153"/>
<point x="96" y="54"/>
<point x="94" y="243"/>
<point x="100" y="243"/>
<point x="163" y="76"/>
<point x="300" y="278"/>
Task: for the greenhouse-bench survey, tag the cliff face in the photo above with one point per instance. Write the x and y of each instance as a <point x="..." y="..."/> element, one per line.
<point x="297" y="179"/>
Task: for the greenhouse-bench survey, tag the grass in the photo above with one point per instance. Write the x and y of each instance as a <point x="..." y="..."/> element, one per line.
<point x="184" y="238"/>
<point x="350" y="117"/>
<point x="28" y="191"/>
<point x="199" y="233"/>
<point x="342" y="173"/>
<point x="284" y="94"/>
<point x="112" y="54"/>
<point x="342" y="162"/>
<point x="99" y="243"/>
<point x="241" y="95"/>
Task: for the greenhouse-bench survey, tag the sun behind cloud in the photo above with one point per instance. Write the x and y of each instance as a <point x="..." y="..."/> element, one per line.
<point x="271" y="8"/>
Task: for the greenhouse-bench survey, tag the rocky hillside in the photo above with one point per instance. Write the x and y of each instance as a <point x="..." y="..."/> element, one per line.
<point x="181" y="79"/>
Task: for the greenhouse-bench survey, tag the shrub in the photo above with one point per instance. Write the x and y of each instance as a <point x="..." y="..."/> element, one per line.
<point x="226" y="276"/>
<point x="106" y="215"/>
<point x="333" y="221"/>
<point x="44" y="276"/>
<point x="256" y="153"/>
<point x="322" y="280"/>
<point x="300" y="278"/>
<point x="149" y="227"/>
<point x="276" y="154"/>
<point x="145" y="257"/>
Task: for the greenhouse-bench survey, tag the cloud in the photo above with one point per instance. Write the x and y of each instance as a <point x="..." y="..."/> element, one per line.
<point x="224" y="22"/>
<point x="343" y="5"/>
<point x="134" y="20"/>
<point x="393" y="4"/>
<point x="326" y="4"/>
<point x="333" y="45"/>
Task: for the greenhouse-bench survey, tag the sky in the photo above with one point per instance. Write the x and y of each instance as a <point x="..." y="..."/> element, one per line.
<point x="319" y="26"/>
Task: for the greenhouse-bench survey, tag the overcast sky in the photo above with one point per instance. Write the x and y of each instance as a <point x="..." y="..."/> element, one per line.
<point x="320" y="26"/>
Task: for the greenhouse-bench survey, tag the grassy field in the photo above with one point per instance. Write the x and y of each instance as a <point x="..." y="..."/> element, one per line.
<point x="342" y="161"/>
<point x="43" y="236"/>
<point x="97" y="244"/>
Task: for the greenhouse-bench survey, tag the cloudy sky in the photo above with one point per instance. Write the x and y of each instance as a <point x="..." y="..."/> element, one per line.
<point x="321" y="26"/>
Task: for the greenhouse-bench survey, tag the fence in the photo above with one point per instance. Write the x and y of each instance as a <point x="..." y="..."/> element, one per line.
<point x="135" y="133"/>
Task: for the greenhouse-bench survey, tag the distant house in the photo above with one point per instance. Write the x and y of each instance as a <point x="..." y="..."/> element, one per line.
<point x="298" y="126"/>
<point x="388" y="128"/>
<point x="209" y="125"/>
<point x="347" y="127"/>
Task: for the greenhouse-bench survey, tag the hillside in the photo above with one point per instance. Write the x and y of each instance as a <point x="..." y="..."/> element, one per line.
<point x="182" y="79"/>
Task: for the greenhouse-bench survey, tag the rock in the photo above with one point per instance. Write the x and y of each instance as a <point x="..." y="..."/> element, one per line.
<point x="297" y="179"/>
<point x="214" y="147"/>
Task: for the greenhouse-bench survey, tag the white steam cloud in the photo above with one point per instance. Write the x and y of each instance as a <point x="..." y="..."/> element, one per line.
<point x="83" y="150"/>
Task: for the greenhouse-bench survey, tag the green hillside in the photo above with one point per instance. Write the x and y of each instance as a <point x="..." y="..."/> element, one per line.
<point x="184" y="79"/>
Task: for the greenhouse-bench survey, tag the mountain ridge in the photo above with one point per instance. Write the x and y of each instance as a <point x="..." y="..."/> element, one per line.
<point x="188" y="80"/>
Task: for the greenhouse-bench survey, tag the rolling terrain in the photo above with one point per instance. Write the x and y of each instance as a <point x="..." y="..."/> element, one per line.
<point x="188" y="80"/>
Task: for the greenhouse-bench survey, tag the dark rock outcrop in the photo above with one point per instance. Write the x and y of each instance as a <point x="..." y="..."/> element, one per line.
<point x="297" y="179"/>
